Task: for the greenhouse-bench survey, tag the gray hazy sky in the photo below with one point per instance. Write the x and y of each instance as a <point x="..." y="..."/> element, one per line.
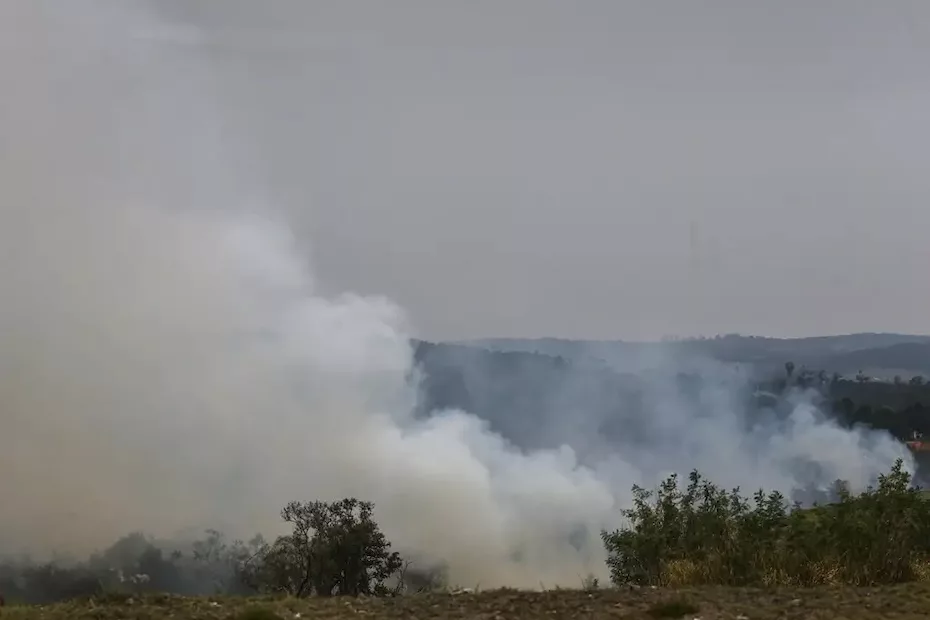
<point x="606" y="169"/>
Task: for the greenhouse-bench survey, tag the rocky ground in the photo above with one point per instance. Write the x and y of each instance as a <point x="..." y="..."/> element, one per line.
<point x="901" y="602"/>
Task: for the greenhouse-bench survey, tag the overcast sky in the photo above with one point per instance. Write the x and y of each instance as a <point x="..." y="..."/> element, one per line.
<point x="602" y="169"/>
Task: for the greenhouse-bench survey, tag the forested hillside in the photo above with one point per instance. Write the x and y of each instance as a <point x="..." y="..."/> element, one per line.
<point x="522" y="394"/>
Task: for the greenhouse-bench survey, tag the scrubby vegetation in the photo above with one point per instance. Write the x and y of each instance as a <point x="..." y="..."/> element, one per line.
<point x="672" y="537"/>
<point x="334" y="549"/>
<point x="703" y="534"/>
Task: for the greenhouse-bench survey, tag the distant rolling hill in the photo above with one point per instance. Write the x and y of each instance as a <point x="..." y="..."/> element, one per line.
<point x="904" y="358"/>
<point x="875" y="354"/>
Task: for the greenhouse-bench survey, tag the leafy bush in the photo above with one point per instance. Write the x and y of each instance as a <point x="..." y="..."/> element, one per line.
<point x="705" y="535"/>
<point x="335" y="548"/>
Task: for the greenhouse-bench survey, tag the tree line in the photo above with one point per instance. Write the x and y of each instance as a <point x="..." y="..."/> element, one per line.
<point x="673" y="536"/>
<point x="900" y="406"/>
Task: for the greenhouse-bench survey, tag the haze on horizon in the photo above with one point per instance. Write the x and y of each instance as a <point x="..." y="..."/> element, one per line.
<point x="596" y="169"/>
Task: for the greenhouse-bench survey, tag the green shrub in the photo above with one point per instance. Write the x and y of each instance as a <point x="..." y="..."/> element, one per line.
<point x="334" y="549"/>
<point x="705" y="535"/>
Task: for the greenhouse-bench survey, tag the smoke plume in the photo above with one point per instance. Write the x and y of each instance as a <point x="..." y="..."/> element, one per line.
<point x="167" y="360"/>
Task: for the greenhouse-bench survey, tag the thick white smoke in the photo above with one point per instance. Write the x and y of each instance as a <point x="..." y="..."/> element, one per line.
<point x="166" y="360"/>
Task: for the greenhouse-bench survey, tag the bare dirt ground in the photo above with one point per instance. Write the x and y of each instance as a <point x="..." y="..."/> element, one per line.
<point x="900" y="602"/>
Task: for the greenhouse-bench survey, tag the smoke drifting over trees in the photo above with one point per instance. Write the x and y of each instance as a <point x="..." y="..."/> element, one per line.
<point x="168" y="362"/>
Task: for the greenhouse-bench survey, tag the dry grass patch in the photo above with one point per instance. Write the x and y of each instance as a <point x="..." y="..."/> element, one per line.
<point x="904" y="602"/>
